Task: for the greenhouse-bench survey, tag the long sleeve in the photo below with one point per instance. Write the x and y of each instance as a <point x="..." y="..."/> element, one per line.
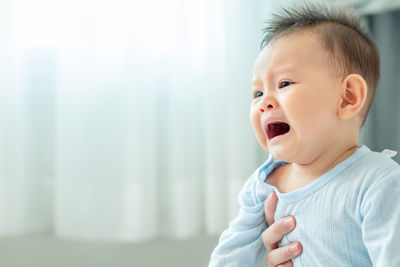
<point x="241" y="244"/>
<point x="380" y="214"/>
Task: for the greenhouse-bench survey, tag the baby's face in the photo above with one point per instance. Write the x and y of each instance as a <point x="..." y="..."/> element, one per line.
<point x="295" y="98"/>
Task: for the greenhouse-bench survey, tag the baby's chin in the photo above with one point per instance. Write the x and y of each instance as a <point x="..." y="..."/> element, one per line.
<point x="282" y="154"/>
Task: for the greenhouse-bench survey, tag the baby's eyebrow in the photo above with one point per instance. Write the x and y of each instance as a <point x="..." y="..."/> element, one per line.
<point x="277" y="70"/>
<point x="285" y="68"/>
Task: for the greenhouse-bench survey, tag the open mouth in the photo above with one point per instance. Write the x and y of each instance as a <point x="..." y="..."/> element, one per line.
<point x="277" y="128"/>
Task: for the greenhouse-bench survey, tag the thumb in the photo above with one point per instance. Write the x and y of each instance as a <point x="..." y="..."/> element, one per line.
<point x="269" y="208"/>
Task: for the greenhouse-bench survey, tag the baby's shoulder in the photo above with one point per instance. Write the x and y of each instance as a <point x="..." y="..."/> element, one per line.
<point x="373" y="168"/>
<point x="378" y="164"/>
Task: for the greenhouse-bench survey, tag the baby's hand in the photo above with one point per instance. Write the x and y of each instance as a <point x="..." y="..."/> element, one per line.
<point x="278" y="256"/>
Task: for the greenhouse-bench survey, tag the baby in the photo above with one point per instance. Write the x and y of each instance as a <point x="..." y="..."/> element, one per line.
<point x="314" y="83"/>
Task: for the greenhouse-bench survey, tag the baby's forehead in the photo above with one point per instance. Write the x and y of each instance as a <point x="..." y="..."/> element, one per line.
<point x="295" y="50"/>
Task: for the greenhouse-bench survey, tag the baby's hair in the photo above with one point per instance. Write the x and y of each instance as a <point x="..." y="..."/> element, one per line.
<point x="342" y="32"/>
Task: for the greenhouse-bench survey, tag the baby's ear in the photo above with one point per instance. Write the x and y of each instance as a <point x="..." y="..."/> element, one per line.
<point x="352" y="96"/>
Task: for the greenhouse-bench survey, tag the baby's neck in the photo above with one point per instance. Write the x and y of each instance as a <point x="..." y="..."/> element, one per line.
<point x="323" y="163"/>
<point x="293" y="176"/>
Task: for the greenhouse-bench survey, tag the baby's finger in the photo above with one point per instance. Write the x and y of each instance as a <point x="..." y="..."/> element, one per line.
<point x="284" y="254"/>
<point x="275" y="232"/>
<point x="269" y="208"/>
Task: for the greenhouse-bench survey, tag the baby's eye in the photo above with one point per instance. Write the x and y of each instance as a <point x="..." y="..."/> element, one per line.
<point x="258" y="94"/>
<point x="284" y="84"/>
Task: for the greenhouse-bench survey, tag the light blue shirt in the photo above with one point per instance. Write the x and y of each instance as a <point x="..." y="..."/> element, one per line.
<point x="350" y="216"/>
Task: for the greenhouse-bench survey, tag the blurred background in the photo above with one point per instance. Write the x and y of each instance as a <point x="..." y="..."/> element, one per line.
<point x="124" y="125"/>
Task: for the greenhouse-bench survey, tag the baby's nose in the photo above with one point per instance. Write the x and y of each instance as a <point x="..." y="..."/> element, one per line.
<point x="269" y="106"/>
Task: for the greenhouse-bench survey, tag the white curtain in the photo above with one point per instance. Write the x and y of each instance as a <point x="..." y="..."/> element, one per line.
<point x="125" y="120"/>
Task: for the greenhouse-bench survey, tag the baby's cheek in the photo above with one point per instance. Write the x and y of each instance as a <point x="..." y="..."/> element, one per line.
<point x="258" y="131"/>
<point x="308" y="113"/>
<point x="301" y="112"/>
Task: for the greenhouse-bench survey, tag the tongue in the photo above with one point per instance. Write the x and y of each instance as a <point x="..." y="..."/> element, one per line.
<point x="277" y="128"/>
